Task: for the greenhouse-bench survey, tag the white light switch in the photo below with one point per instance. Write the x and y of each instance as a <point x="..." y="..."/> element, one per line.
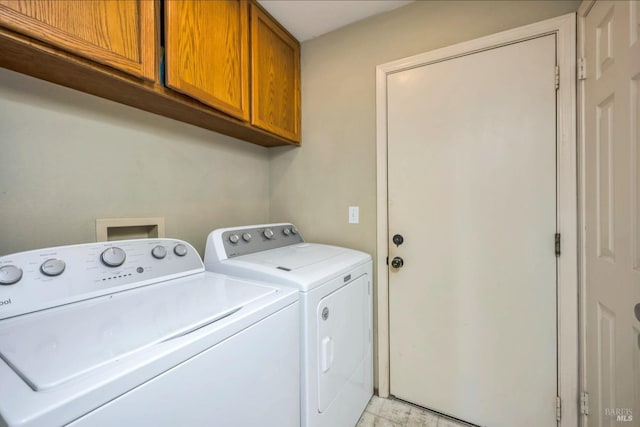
<point x="354" y="214"/>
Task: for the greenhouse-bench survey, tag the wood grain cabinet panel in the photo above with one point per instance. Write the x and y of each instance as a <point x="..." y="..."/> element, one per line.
<point x="118" y="33"/>
<point x="275" y="77"/>
<point x="230" y="67"/>
<point x="207" y="52"/>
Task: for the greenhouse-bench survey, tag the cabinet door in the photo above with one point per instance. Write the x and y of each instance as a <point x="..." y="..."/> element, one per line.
<point x="118" y="33"/>
<point x="207" y="52"/>
<point x="275" y="77"/>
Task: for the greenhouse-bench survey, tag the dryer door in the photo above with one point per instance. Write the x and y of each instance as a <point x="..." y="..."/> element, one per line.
<point x="343" y="339"/>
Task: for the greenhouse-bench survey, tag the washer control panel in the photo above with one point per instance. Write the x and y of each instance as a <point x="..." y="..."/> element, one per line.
<point x="247" y="240"/>
<point x="45" y="278"/>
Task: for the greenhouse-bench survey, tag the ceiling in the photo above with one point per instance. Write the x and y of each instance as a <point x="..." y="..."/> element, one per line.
<point x="306" y="19"/>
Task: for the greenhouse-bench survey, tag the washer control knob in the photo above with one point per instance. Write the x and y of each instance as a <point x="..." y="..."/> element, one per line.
<point x="268" y="233"/>
<point x="53" y="267"/>
<point x="246" y="237"/>
<point x="234" y="238"/>
<point x="113" y="257"/>
<point x="180" y="249"/>
<point x="286" y="231"/>
<point x="159" y="252"/>
<point x="294" y="230"/>
<point x="10" y="274"/>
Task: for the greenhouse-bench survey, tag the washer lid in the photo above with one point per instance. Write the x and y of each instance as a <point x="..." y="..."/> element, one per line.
<point x="51" y="347"/>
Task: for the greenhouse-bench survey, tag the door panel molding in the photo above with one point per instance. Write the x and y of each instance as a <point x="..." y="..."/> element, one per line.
<point x="565" y="29"/>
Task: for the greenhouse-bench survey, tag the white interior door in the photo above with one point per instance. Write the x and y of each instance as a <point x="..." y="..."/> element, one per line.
<point x="611" y="235"/>
<point x="472" y="190"/>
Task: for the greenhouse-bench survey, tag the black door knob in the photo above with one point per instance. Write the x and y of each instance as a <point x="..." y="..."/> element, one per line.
<point x="398" y="239"/>
<point x="397" y="262"/>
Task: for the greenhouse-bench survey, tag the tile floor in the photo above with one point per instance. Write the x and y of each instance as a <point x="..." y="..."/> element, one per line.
<point x="394" y="413"/>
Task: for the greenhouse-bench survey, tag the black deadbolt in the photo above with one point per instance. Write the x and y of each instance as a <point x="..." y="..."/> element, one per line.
<point x="398" y="239"/>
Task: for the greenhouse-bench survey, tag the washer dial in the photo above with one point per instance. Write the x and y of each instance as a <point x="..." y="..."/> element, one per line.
<point x="53" y="267"/>
<point x="234" y="238"/>
<point x="159" y="252"/>
<point x="268" y="233"/>
<point x="180" y="249"/>
<point x="113" y="257"/>
<point x="10" y="274"/>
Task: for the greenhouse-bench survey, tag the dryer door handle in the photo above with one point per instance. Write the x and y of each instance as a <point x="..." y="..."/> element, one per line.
<point x="327" y="354"/>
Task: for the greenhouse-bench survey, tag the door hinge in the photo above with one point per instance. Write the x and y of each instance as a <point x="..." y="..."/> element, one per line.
<point x="369" y="287"/>
<point x="557" y="244"/>
<point x="584" y="403"/>
<point x="558" y="408"/>
<point x="582" y="69"/>
<point x="387" y="260"/>
<point x="557" y="77"/>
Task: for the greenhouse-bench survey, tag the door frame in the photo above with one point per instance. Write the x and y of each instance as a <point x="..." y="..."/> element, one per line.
<point x="564" y="27"/>
<point x="583" y="10"/>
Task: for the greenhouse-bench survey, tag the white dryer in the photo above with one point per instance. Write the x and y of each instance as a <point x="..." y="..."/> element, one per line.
<point x="136" y="333"/>
<point x="336" y="311"/>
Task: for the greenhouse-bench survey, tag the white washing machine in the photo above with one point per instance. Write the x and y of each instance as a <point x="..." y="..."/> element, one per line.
<point x="136" y="333"/>
<point x="336" y="311"/>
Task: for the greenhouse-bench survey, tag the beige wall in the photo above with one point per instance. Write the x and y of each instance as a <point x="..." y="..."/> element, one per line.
<point x="335" y="168"/>
<point x="67" y="158"/>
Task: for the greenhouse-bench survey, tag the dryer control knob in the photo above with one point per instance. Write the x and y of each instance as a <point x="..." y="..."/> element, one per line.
<point x="159" y="252"/>
<point x="180" y="249"/>
<point x="234" y="238"/>
<point x="10" y="274"/>
<point x="53" y="267"/>
<point x="286" y="231"/>
<point x="246" y="237"/>
<point x="268" y="233"/>
<point x="294" y="230"/>
<point x="113" y="257"/>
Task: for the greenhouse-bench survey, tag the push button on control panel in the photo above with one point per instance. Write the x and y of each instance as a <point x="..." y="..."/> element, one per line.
<point x="53" y="267"/>
<point x="10" y="274"/>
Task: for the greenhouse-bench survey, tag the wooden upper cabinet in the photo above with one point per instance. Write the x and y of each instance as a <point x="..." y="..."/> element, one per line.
<point x="207" y="52"/>
<point x="275" y="77"/>
<point x="118" y="33"/>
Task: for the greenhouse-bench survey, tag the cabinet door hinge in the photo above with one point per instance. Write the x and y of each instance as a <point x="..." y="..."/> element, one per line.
<point x="557" y="77"/>
<point x="582" y="69"/>
<point x="557" y="244"/>
<point x="558" y="408"/>
<point x="584" y="403"/>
